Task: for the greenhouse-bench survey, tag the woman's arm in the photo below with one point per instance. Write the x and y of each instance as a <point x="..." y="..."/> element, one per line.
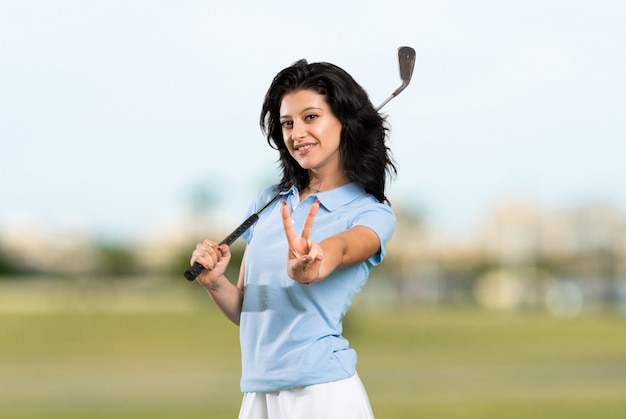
<point x="309" y="261"/>
<point x="215" y="259"/>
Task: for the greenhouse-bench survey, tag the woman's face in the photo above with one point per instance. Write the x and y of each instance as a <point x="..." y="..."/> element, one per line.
<point x="311" y="131"/>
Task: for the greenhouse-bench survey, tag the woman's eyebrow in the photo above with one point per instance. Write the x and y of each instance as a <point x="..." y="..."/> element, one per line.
<point x="310" y="108"/>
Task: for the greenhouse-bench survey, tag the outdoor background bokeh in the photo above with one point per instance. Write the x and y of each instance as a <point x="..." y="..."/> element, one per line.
<point x="129" y="131"/>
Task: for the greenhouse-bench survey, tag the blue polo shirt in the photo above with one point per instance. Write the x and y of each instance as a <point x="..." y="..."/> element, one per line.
<point x="290" y="333"/>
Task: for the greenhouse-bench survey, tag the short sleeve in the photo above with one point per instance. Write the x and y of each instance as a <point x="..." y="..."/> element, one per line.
<point x="382" y="220"/>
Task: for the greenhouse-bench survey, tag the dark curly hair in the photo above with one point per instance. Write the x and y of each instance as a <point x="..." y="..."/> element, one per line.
<point x="365" y="157"/>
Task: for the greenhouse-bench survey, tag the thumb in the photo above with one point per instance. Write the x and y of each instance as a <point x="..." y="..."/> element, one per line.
<point x="224" y="250"/>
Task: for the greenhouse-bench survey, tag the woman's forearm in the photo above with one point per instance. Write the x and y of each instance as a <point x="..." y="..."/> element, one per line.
<point x="227" y="297"/>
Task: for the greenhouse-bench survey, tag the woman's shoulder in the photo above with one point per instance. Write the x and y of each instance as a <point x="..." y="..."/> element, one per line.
<point x="370" y="201"/>
<point x="264" y="196"/>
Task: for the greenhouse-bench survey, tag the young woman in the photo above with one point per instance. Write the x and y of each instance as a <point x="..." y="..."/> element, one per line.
<point x="299" y="276"/>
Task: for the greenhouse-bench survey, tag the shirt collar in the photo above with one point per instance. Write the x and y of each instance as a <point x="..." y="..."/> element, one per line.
<point x="337" y="197"/>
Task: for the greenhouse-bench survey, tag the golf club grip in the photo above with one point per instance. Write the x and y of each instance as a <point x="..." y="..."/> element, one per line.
<point x="193" y="272"/>
<point x="240" y="230"/>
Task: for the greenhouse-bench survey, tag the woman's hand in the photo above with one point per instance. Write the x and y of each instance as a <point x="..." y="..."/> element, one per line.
<point x="304" y="256"/>
<point x="214" y="258"/>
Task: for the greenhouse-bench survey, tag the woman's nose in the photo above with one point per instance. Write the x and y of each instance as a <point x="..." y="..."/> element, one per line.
<point x="298" y="131"/>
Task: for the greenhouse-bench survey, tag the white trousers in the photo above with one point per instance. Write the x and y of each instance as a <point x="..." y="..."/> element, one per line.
<point x="344" y="399"/>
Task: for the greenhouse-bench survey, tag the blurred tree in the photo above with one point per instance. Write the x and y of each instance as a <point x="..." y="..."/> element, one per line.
<point x="7" y="268"/>
<point x="13" y="266"/>
<point x="116" y="259"/>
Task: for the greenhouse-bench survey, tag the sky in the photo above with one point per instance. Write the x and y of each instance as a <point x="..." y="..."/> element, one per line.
<point x="116" y="115"/>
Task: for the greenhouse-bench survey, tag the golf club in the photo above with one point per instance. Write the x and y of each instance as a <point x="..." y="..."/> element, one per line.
<point x="406" y="62"/>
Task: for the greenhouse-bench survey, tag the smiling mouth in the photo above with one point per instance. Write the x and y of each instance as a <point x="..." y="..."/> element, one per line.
<point x="303" y="149"/>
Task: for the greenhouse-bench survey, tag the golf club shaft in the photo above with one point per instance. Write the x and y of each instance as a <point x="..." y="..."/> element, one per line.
<point x="406" y="60"/>
<point x="196" y="269"/>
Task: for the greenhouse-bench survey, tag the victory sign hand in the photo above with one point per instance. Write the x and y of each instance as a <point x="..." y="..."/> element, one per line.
<point x="304" y="256"/>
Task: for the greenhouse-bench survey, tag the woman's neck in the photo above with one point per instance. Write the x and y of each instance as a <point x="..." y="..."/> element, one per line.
<point x="322" y="184"/>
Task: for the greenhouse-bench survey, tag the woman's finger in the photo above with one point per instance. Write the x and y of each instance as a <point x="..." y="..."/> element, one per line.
<point x="310" y="217"/>
<point x="288" y="224"/>
<point x="206" y="254"/>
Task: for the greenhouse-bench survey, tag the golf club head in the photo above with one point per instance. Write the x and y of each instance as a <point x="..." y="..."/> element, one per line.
<point x="406" y="62"/>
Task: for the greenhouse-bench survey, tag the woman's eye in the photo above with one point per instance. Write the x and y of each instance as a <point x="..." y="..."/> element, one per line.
<point x="310" y="117"/>
<point x="286" y="124"/>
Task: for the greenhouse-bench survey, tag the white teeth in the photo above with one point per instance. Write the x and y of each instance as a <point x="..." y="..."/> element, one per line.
<point x="304" y="147"/>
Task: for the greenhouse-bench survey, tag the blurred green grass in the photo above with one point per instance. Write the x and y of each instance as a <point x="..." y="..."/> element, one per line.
<point x="181" y="359"/>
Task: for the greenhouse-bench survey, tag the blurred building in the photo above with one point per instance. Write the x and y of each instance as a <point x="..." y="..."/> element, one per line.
<point x="522" y="256"/>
